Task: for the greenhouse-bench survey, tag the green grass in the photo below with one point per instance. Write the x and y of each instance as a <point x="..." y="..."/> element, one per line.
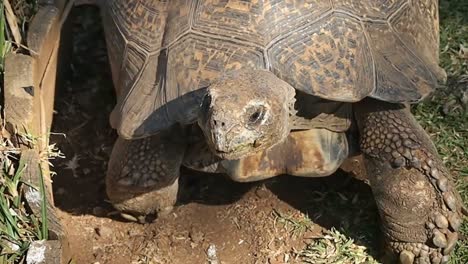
<point x="354" y="237"/>
<point x="335" y="247"/>
<point x="23" y="11"/>
<point x="18" y="226"/>
<point x="454" y="38"/>
<point x="295" y="226"/>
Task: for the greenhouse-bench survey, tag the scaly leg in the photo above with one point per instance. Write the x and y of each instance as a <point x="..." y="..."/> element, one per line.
<point x="142" y="176"/>
<point x="418" y="204"/>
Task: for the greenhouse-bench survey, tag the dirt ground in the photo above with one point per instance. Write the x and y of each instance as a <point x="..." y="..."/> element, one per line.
<point x="216" y="220"/>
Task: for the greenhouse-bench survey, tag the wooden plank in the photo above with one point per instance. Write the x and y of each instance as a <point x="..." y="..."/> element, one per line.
<point x="30" y="82"/>
<point x="42" y="38"/>
<point x="32" y="175"/>
<point x="20" y="94"/>
<point x="47" y="91"/>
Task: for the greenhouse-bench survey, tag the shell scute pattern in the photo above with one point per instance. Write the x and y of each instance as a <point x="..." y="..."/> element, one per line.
<point x="400" y="75"/>
<point x="132" y="66"/>
<point x="141" y="22"/>
<point x="417" y="26"/>
<point x="130" y="76"/>
<point x="195" y="61"/>
<point x="179" y="20"/>
<point x="337" y="51"/>
<point x="116" y="45"/>
<point x="144" y="96"/>
<point x="373" y="9"/>
<point x="255" y="21"/>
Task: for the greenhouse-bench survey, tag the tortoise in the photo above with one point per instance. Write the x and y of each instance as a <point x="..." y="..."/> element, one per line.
<point x="255" y="89"/>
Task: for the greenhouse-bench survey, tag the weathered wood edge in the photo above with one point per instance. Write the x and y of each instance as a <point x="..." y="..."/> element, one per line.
<point x="29" y="99"/>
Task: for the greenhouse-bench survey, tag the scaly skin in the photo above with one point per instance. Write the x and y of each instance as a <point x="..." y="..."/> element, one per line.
<point x="142" y="176"/>
<point x="420" y="209"/>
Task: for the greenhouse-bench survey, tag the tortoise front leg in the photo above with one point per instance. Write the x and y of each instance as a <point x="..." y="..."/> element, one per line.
<point x="418" y="204"/>
<point x="142" y="176"/>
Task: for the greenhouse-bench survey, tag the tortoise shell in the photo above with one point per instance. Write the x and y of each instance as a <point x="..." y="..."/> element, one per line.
<point x="163" y="54"/>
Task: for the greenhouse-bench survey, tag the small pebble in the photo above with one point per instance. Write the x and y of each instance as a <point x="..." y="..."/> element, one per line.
<point x="98" y="211"/>
<point x="212" y="255"/>
<point x="196" y="236"/>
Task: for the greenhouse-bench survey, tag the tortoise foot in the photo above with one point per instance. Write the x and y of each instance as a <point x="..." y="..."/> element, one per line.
<point x="415" y="253"/>
<point x="436" y="243"/>
<point x="420" y="208"/>
<point x="142" y="177"/>
<point x="139" y="206"/>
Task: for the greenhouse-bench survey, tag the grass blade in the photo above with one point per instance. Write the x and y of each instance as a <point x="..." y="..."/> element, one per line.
<point x="2" y="37"/>
<point x="44" y="227"/>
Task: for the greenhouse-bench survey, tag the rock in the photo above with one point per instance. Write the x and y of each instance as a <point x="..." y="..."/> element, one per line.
<point x="196" y="236"/>
<point x="212" y="255"/>
<point x="44" y="252"/>
<point x="98" y="211"/>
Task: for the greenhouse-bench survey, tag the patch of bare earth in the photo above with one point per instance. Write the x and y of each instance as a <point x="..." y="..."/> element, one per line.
<point x="216" y="220"/>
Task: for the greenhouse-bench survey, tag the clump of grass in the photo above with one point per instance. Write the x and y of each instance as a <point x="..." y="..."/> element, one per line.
<point x="353" y="211"/>
<point x="15" y="17"/>
<point x="354" y="243"/>
<point x="4" y="45"/>
<point x="296" y="225"/>
<point x="454" y="37"/>
<point x="24" y="10"/>
<point x="18" y="226"/>
<point x="335" y="247"/>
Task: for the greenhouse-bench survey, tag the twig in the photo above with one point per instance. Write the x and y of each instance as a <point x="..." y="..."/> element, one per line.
<point x="19" y="45"/>
<point x="12" y="22"/>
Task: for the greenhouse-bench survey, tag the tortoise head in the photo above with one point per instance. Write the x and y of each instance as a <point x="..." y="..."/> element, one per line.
<point x="245" y="112"/>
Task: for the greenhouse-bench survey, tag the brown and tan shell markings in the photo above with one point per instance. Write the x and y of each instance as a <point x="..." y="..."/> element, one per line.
<point x="162" y="53"/>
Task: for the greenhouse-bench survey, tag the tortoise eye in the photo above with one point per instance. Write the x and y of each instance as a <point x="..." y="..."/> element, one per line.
<point x="256" y="115"/>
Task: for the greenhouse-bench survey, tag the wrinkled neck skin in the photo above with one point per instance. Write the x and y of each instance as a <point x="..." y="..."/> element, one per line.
<point x="245" y="112"/>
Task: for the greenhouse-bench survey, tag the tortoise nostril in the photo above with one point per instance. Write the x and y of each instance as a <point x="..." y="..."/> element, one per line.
<point x="216" y="122"/>
<point x="256" y="144"/>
